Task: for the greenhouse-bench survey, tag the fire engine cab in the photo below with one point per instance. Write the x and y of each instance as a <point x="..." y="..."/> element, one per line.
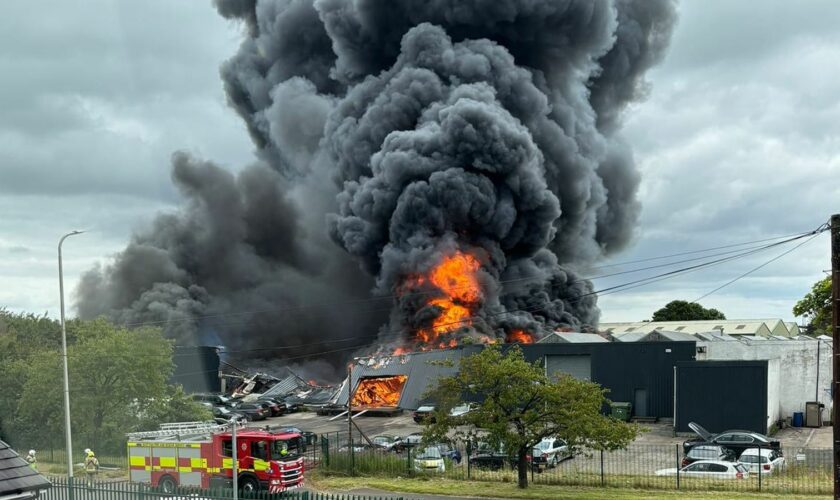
<point x="200" y="454"/>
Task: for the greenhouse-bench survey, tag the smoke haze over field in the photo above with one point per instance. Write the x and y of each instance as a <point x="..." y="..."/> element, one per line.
<point x="390" y="135"/>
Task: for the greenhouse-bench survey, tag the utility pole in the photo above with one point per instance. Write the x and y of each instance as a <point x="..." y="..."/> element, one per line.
<point x="835" y="346"/>
<point x="350" y="417"/>
<point x="67" y="431"/>
<point x="350" y="405"/>
<point x="234" y="460"/>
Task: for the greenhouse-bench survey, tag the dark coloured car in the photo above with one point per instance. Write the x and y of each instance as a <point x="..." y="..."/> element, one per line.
<point x="292" y="404"/>
<point x="252" y="411"/>
<point x="424" y="412"/>
<point x="224" y="413"/>
<point x="735" y="440"/>
<point x="274" y="407"/>
<point x="489" y="458"/>
<point x="449" y="451"/>
<point x="709" y="452"/>
<point x="309" y="437"/>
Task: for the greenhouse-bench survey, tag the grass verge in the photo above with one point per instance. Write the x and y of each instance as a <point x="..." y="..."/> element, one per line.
<point x="441" y="486"/>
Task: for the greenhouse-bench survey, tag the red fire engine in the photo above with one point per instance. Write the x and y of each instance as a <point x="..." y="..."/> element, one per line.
<point x="198" y="454"/>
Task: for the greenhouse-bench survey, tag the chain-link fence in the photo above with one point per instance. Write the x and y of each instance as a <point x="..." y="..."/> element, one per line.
<point x="639" y="466"/>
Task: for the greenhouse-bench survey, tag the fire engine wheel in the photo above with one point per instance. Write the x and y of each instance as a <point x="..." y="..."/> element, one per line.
<point x="249" y="485"/>
<point x="167" y="485"/>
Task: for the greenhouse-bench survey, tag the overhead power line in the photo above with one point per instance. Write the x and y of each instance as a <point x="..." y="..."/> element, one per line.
<point x="605" y="291"/>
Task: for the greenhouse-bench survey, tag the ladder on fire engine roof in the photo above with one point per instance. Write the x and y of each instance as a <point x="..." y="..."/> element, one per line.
<point x="180" y="429"/>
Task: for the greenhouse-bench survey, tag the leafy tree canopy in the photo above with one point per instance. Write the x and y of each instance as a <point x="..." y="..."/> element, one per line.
<point x="815" y="306"/>
<point x="520" y="406"/>
<point x="118" y="382"/>
<point x="681" y="310"/>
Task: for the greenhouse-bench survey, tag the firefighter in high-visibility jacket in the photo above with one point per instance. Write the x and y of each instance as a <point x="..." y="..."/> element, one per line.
<point x="91" y="467"/>
<point x="31" y="460"/>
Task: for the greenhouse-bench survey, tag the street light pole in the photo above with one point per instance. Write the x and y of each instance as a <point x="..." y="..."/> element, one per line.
<point x="64" y="356"/>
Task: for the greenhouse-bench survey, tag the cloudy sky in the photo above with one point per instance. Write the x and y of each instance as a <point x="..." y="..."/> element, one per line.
<point x="738" y="141"/>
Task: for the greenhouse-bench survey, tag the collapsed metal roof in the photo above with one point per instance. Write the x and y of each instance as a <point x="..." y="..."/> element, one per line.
<point x="422" y="368"/>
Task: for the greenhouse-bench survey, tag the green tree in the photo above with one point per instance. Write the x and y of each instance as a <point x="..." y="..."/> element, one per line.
<point x="118" y="383"/>
<point x="680" y="310"/>
<point x="815" y="306"/>
<point x="521" y="405"/>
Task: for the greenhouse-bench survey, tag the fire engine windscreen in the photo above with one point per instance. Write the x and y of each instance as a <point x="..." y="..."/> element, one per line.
<point x="379" y="392"/>
<point x="432" y="170"/>
<point x="286" y="449"/>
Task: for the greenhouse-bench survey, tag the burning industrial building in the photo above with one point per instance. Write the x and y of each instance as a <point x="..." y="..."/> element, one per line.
<point x="428" y="174"/>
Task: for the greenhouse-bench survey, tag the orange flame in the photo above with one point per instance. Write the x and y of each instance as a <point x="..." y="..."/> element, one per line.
<point x="379" y="391"/>
<point x="519" y="337"/>
<point x="456" y="279"/>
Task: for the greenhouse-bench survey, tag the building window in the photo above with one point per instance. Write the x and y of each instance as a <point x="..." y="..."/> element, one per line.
<point x="701" y="349"/>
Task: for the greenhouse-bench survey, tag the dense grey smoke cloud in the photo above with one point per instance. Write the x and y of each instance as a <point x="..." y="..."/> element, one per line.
<point x="403" y="131"/>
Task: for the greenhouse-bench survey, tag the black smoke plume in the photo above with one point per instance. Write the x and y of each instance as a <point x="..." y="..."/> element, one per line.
<point x="388" y="135"/>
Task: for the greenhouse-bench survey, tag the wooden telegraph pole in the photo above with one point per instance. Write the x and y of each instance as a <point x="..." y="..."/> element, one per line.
<point x="835" y="346"/>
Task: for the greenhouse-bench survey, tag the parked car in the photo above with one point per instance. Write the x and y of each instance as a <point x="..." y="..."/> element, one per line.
<point x="252" y="411"/>
<point x="429" y="459"/>
<point x="709" y="452"/>
<point x="411" y="441"/>
<point x="549" y="452"/>
<point x="214" y="399"/>
<point x="357" y="447"/>
<point x="462" y="409"/>
<point x="766" y="459"/>
<point x="489" y="458"/>
<point x="309" y="437"/>
<point x="424" y="412"/>
<point x="222" y="412"/>
<point x="735" y="440"/>
<point x="449" y="451"/>
<point x="274" y="407"/>
<point x="710" y="469"/>
<point x="387" y="443"/>
<point x="292" y="404"/>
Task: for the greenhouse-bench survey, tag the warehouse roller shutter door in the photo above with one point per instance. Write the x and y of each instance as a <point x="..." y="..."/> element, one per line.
<point x="578" y="366"/>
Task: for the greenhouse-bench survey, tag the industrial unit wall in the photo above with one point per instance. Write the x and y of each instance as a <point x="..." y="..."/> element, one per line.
<point x="641" y="373"/>
<point x="721" y="395"/>
<point x="196" y="369"/>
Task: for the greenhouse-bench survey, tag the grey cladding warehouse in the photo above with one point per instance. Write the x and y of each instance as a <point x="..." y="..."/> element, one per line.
<point x="640" y="372"/>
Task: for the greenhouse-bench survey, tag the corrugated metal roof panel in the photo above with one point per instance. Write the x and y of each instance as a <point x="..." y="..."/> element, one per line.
<point x="630" y="337"/>
<point x="422" y="369"/>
